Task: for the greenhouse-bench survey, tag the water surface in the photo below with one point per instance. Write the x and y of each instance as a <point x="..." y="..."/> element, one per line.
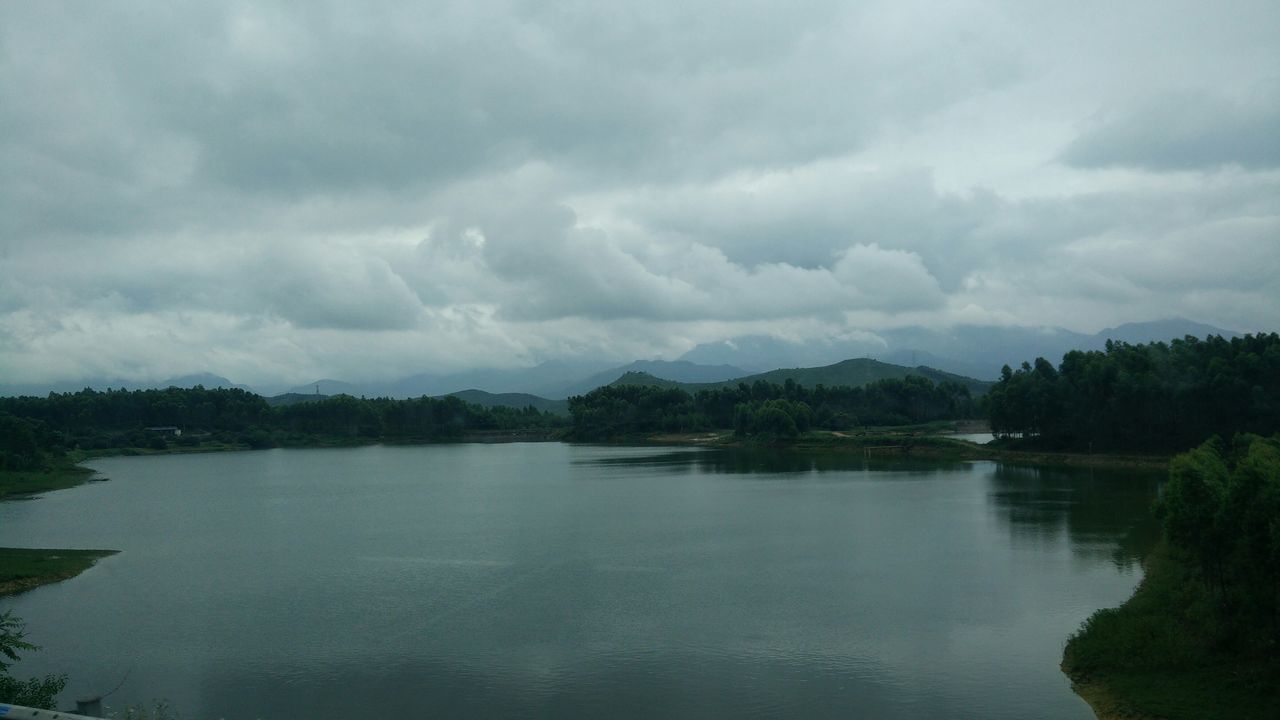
<point x="549" y="580"/>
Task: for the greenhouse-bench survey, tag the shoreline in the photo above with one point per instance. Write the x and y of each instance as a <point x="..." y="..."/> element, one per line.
<point x="23" y="569"/>
<point x="1103" y="701"/>
<point x="929" y="440"/>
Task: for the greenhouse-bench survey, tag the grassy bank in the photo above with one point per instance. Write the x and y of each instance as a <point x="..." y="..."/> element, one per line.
<point x="26" y="568"/>
<point x="26" y="482"/>
<point x="1162" y="655"/>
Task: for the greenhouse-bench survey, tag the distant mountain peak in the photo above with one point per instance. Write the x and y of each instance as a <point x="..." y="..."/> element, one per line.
<point x="1162" y="331"/>
<point x="207" y="379"/>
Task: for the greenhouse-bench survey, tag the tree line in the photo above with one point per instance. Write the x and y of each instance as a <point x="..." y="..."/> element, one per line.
<point x="32" y="428"/>
<point x="1147" y="397"/>
<point x="765" y="409"/>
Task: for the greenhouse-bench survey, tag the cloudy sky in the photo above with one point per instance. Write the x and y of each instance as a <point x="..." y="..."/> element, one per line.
<point x="279" y="192"/>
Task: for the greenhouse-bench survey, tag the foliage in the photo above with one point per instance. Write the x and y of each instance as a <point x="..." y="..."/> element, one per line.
<point x="1155" y="655"/>
<point x="20" y="443"/>
<point x="764" y="409"/>
<point x="1221" y="509"/>
<point x="35" y="692"/>
<point x="32" y="692"/>
<point x="11" y="640"/>
<point x="1153" y="397"/>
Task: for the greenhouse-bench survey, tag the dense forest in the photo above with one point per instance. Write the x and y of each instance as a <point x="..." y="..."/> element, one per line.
<point x="32" y="428"/>
<point x="765" y="409"/>
<point x="1149" y="397"/>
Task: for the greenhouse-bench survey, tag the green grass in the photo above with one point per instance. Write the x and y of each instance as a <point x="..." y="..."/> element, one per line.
<point x="25" y="568"/>
<point x="35" y="481"/>
<point x="1158" y="656"/>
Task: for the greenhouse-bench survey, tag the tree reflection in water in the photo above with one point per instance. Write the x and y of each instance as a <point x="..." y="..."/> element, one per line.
<point x="1102" y="512"/>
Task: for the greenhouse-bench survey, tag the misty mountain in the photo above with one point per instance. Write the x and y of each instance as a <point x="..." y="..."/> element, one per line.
<point x="328" y="387"/>
<point x="852" y="373"/>
<point x="208" y="380"/>
<point x="545" y="380"/>
<point x="1159" y="331"/>
<point x="975" y="351"/>
<point x="759" y="353"/>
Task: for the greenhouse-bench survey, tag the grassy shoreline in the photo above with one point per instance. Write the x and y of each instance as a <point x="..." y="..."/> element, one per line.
<point x="14" y="483"/>
<point x="23" y="569"/>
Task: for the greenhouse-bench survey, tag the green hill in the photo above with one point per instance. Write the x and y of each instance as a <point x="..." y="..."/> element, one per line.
<point x="293" y="398"/>
<point x="853" y="373"/>
<point x="513" y="400"/>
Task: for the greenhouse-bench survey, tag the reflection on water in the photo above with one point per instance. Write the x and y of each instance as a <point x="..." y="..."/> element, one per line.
<point x="978" y="438"/>
<point x="774" y="461"/>
<point x="1105" y="513"/>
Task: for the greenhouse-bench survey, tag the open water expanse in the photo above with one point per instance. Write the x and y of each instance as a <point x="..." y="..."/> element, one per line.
<point x="567" y="581"/>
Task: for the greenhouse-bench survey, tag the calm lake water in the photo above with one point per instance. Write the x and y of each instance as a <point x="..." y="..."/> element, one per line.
<point x="561" y="581"/>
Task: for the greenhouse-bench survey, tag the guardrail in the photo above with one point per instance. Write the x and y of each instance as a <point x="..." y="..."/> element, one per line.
<point x="18" y="712"/>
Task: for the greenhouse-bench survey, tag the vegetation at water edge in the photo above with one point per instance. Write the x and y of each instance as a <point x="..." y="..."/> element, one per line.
<point x="1200" y="639"/>
<point x="25" y="568"/>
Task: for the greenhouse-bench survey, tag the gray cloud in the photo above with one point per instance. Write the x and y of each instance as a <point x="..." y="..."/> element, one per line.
<point x="1186" y="130"/>
<point x="277" y="192"/>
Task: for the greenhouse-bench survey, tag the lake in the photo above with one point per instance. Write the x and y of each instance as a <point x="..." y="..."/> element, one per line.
<point x="547" y="580"/>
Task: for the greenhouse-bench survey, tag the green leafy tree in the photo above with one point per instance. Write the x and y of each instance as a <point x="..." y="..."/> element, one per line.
<point x="35" y="692"/>
<point x="1221" y="509"/>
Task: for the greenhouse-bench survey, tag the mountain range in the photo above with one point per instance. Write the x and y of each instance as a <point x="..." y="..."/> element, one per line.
<point x="853" y="373"/>
<point x="973" y="351"/>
